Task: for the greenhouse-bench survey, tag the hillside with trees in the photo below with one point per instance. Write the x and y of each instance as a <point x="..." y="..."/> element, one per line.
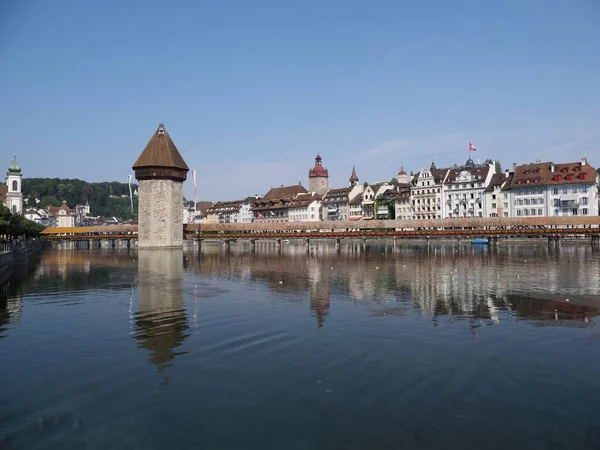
<point x="105" y="198"/>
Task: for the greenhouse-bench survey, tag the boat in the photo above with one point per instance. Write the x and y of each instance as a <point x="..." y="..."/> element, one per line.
<point x="479" y="241"/>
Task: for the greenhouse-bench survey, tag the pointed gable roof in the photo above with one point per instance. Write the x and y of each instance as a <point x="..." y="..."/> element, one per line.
<point x="161" y="152"/>
<point x="354" y="177"/>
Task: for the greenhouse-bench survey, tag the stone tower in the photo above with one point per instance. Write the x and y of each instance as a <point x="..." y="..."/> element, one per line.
<point x="318" y="177"/>
<point x="14" y="196"/>
<point x="402" y="176"/>
<point x="161" y="171"/>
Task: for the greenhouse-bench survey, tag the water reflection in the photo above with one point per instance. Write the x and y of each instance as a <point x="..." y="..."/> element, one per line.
<point x="522" y="282"/>
<point x="161" y="321"/>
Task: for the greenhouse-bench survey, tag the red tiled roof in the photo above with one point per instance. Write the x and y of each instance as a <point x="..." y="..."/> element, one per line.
<point x="541" y="174"/>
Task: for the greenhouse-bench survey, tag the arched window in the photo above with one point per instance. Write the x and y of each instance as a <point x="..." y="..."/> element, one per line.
<point x="14" y="208"/>
<point x="15" y="186"/>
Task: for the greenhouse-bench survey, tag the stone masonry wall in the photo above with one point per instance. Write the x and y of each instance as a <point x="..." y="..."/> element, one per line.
<point x="160" y="217"/>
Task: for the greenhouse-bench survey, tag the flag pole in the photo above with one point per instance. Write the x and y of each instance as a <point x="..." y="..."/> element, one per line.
<point x="195" y="191"/>
<point x="130" y="195"/>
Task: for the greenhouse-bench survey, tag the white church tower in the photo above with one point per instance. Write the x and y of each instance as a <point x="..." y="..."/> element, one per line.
<point x="14" y="196"/>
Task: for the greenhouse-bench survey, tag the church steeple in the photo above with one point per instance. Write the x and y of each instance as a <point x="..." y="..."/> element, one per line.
<point x="353" y="178"/>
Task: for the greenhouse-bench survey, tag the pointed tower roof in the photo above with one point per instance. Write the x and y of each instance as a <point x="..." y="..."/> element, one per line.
<point x="353" y="177"/>
<point x="402" y="171"/>
<point x="161" y="152"/>
<point x="160" y="158"/>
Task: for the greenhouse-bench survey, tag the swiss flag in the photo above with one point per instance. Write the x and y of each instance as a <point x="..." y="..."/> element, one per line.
<point x="472" y="148"/>
<point x="260" y="216"/>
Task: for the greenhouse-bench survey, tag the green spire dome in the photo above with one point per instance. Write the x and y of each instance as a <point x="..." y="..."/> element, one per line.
<point x="14" y="166"/>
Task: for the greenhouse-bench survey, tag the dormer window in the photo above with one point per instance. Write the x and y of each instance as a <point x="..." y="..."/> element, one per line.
<point x="556" y="177"/>
<point x="570" y="177"/>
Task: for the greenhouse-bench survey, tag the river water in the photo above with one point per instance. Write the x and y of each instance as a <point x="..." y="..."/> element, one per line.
<point x="380" y="348"/>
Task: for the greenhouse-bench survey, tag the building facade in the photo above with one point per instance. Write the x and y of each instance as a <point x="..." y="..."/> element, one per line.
<point x="463" y="189"/>
<point x="426" y="193"/>
<point x="305" y="208"/>
<point x="496" y="196"/>
<point x="62" y="216"/>
<point x="549" y="189"/>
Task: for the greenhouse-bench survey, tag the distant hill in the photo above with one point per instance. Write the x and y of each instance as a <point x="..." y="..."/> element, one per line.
<point x="105" y="198"/>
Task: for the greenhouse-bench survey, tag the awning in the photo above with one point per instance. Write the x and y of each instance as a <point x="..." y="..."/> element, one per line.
<point x="354" y="218"/>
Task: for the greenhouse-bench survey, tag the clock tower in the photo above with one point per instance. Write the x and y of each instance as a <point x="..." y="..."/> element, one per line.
<point x="318" y="177"/>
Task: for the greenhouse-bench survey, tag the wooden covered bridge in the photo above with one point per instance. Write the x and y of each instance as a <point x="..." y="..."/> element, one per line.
<point x="551" y="228"/>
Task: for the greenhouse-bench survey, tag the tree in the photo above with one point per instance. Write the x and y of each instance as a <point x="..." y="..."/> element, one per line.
<point x="497" y="165"/>
<point x="394" y="181"/>
<point x="15" y="225"/>
<point x="49" y="200"/>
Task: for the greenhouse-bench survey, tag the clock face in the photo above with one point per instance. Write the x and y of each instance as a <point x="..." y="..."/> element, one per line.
<point x="322" y="182"/>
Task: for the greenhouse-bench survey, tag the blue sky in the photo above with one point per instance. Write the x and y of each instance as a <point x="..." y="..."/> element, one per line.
<point x="250" y="91"/>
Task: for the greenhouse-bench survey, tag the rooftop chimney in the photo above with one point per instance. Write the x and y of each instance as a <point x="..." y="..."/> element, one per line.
<point x="552" y="167"/>
<point x="583" y="162"/>
<point x="514" y="167"/>
<point x="506" y="173"/>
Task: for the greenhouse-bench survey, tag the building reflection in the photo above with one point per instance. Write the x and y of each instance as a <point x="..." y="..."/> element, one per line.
<point x="522" y="282"/>
<point x="161" y="321"/>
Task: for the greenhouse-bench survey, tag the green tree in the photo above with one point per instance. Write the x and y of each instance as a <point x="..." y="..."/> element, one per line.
<point x="497" y="165"/>
<point x="49" y="200"/>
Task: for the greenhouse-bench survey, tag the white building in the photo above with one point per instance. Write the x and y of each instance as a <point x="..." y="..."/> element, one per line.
<point x="305" y="208"/>
<point x="39" y="216"/>
<point x="464" y="187"/>
<point x="426" y="193"/>
<point x="63" y="216"/>
<point x="548" y="189"/>
<point x="496" y="196"/>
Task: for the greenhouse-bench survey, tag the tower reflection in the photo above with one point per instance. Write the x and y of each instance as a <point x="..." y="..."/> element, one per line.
<point x="161" y="321"/>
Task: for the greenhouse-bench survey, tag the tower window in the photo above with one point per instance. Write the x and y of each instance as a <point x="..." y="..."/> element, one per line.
<point x="15" y="186"/>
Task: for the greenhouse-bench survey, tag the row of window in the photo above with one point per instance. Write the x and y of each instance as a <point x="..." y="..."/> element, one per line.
<point x="529" y="201"/>
<point x="465" y="186"/>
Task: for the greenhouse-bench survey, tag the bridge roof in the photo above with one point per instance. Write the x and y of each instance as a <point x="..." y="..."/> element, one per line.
<point x="91" y="230"/>
<point x="161" y="152"/>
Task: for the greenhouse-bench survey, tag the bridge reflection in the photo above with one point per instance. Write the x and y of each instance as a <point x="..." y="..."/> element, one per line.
<point x="439" y="281"/>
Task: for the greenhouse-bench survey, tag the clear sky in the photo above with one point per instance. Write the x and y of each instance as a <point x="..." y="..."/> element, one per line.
<point x="251" y="90"/>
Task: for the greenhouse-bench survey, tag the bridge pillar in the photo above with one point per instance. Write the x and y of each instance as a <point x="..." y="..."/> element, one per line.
<point x="553" y="241"/>
<point x="279" y="243"/>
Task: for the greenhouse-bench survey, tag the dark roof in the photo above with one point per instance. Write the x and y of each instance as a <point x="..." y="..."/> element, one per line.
<point x="541" y="174"/>
<point x="498" y="179"/>
<point x="304" y="200"/>
<point x="285" y="192"/>
<point x="332" y="194"/>
<point x="202" y="207"/>
<point x="353" y="177"/>
<point x="233" y="205"/>
<point x="161" y="152"/>
<point x="480" y="172"/>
